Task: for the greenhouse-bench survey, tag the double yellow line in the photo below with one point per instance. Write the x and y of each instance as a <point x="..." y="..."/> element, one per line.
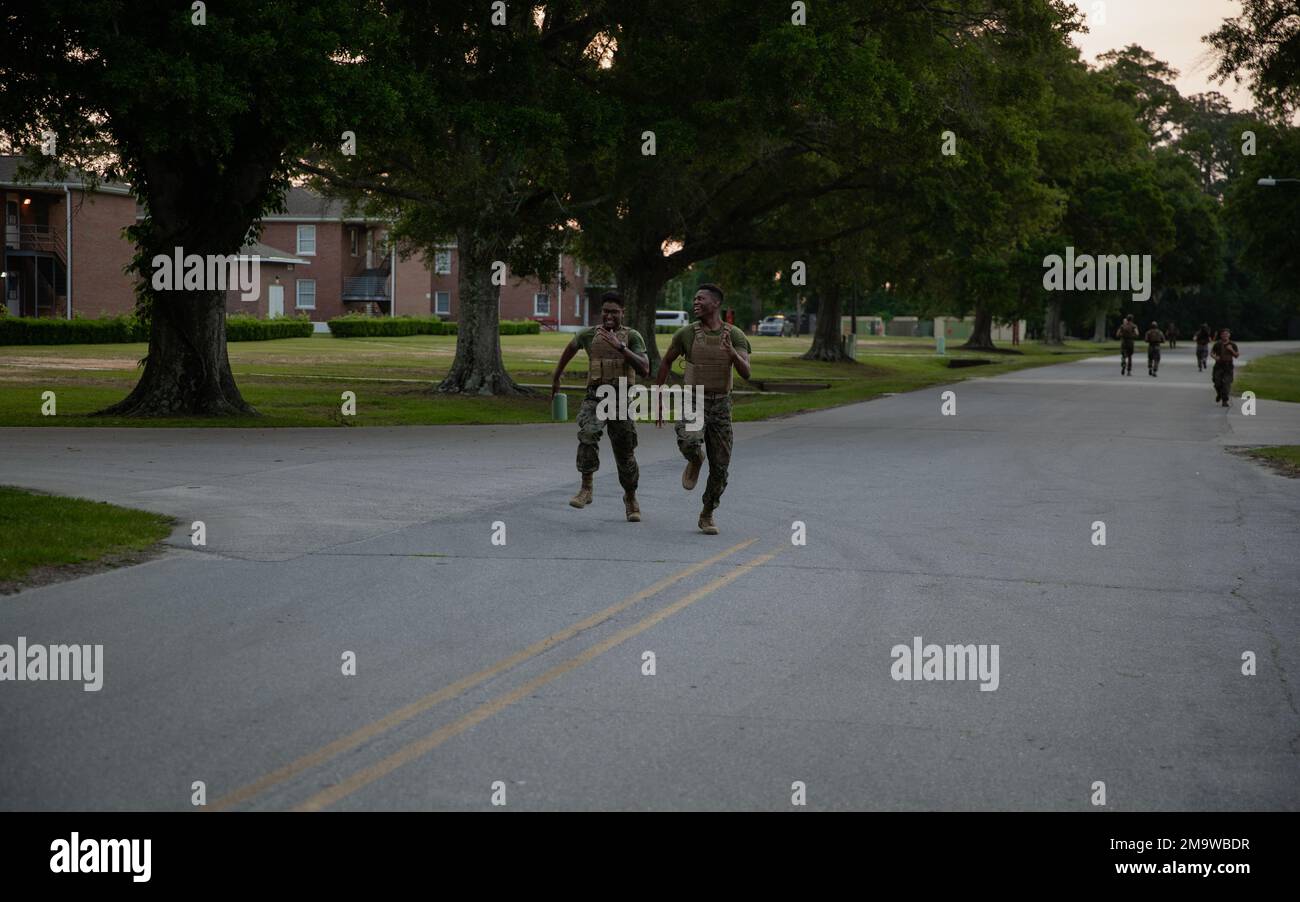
<point x="420" y="747"/>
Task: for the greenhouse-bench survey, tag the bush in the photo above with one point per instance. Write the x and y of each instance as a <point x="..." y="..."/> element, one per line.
<point x="519" y="327"/>
<point x="356" y="325"/>
<point x="242" y="327"/>
<point x="26" y="330"/>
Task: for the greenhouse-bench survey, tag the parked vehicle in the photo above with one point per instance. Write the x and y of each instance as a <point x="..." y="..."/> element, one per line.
<point x="671" y="318"/>
<point x="776" y="324"/>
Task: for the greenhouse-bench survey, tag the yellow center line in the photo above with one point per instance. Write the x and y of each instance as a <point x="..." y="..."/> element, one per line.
<point x="419" y="706"/>
<point x="420" y="747"/>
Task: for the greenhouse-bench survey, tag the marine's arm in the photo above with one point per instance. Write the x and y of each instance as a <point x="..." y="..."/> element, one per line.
<point x="565" y="356"/>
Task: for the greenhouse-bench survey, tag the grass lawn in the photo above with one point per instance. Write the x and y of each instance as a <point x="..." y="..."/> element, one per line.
<point x="1282" y="457"/>
<point x="42" y="536"/>
<point x="1275" y="378"/>
<point x="298" y="381"/>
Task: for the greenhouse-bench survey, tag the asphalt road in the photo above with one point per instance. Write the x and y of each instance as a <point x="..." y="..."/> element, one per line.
<point x="523" y="663"/>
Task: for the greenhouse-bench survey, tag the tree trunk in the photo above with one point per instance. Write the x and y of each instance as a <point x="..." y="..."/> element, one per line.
<point x="642" y="289"/>
<point x="187" y="371"/>
<point x="827" y="344"/>
<point x="1052" y="326"/>
<point x="478" y="368"/>
<point x="1099" y="331"/>
<point x="981" y="336"/>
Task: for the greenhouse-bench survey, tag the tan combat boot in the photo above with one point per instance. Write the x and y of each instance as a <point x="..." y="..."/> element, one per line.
<point x="692" y="473"/>
<point x="583" y="498"/>
<point x="706" y="523"/>
<point x="633" y="509"/>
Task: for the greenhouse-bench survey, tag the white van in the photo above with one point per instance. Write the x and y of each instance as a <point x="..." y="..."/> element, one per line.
<point x="676" y="318"/>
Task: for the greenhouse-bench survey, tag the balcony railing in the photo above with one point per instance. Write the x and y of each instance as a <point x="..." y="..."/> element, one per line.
<point x="40" y="238"/>
<point x="365" y="288"/>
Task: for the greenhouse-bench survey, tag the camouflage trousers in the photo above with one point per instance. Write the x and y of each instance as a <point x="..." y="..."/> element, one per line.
<point x="622" y="436"/>
<point x="716" y="437"/>
<point x="1125" y="355"/>
<point x="1222" y="376"/>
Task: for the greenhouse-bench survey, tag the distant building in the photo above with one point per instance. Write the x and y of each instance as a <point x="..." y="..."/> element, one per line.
<point x="66" y="259"/>
<point x="64" y="253"/>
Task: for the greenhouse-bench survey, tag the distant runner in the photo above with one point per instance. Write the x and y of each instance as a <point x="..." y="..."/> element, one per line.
<point x="1202" y="338"/>
<point x="1154" y="339"/>
<point x="1225" y="353"/>
<point x="1127" y="334"/>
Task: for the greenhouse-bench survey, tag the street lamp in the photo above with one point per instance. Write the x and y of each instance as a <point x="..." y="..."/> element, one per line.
<point x="1271" y="182"/>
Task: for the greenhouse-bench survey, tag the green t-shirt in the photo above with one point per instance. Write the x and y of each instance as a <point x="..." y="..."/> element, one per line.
<point x="684" y="337"/>
<point x="583" y="340"/>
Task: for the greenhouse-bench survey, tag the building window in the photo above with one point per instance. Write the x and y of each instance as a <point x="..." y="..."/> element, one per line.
<point x="442" y="303"/>
<point x="355" y="241"/>
<point x="577" y="270"/>
<point x="306" y="299"/>
<point x="577" y="305"/>
<point x="442" y="263"/>
<point x="541" y="304"/>
<point x="307" y="240"/>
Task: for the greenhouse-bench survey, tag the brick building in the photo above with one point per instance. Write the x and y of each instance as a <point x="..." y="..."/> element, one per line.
<point x="314" y="258"/>
<point x="57" y="228"/>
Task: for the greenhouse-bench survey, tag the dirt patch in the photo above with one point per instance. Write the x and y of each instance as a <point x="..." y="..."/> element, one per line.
<point x="69" y="363"/>
<point x="1285" y="467"/>
<point x="45" y="576"/>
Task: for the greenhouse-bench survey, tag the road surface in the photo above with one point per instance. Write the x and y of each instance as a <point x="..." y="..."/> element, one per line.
<point x="518" y="671"/>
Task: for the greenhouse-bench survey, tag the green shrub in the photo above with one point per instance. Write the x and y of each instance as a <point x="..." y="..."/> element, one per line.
<point x="356" y="325"/>
<point x="242" y="327"/>
<point x="26" y="330"/>
<point x="519" y="327"/>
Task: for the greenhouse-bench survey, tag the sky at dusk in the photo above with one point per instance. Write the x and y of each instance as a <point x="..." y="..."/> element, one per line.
<point x="1172" y="30"/>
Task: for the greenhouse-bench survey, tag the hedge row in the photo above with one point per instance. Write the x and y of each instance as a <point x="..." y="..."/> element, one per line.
<point x="25" y="330"/>
<point x="250" y="328"/>
<point x="354" y="326"/>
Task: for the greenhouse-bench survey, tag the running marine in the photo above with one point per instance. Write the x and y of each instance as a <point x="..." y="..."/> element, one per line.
<point x="713" y="349"/>
<point x="613" y="352"/>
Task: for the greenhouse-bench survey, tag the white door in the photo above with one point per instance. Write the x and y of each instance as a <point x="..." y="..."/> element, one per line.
<point x="275" y="300"/>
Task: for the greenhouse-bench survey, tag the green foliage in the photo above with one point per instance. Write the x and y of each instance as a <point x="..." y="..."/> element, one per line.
<point x="240" y="327"/>
<point x="1266" y="220"/>
<point x="359" y="326"/>
<point x="24" y="330"/>
<point x="1263" y="43"/>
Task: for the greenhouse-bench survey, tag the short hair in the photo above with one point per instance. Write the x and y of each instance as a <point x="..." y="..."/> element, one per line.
<point x="710" y="287"/>
<point x="1129" y="318"/>
<point x="1154" y="324"/>
<point x="613" y="296"/>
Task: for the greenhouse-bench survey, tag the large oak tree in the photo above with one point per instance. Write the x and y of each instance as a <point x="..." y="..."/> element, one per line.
<point x="200" y="112"/>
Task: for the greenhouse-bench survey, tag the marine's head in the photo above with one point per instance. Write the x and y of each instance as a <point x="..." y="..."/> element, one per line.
<point x="611" y="310"/>
<point x="1129" y="318"/>
<point x="1225" y="333"/>
<point x="707" y="300"/>
<point x="1155" y="325"/>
